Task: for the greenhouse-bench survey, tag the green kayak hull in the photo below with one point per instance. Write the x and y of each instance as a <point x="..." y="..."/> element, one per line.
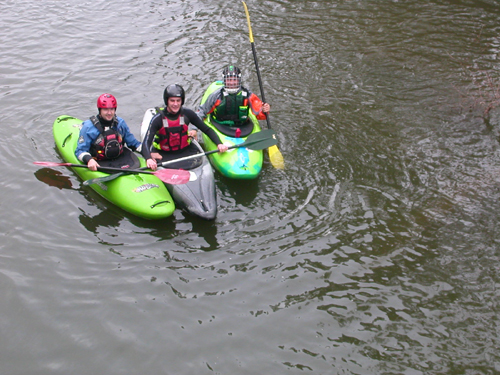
<point x="143" y="195"/>
<point x="238" y="163"/>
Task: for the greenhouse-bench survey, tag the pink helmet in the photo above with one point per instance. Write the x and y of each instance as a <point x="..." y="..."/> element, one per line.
<point x="106" y="101"/>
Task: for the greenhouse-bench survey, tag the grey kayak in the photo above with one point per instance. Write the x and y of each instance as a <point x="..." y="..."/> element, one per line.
<point x="198" y="196"/>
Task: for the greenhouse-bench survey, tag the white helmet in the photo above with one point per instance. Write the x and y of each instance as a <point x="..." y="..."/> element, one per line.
<point x="232" y="79"/>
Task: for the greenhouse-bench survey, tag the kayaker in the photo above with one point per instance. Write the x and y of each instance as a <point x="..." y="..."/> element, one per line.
<point x="169" y="130"/>
<point x="230" y="104"/>
<point x="104" y="136"/>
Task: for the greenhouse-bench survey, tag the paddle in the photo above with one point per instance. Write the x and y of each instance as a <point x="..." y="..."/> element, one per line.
<point x="274" y="153"/>
<point x="169" y="176"/>
<point x="256" y="141"/>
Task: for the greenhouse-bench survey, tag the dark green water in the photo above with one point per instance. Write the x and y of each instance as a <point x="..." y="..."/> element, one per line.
<point x="374" y="252"/>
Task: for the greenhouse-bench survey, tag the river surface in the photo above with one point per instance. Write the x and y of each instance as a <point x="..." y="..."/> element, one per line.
<point x="375" y="251"/>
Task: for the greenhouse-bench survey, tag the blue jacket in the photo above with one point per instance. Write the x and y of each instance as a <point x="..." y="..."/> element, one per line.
<point x="89" y="133"/>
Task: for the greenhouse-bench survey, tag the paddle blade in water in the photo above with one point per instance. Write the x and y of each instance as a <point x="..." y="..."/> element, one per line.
<point x="276" y="158"/>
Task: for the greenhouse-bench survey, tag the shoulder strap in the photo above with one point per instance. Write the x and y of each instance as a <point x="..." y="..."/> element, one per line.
<point x="97" y="124"/>
<point x="164" y="116"/>
<point x="160" y="111"/>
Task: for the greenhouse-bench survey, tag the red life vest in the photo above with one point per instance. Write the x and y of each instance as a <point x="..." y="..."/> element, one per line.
<point x="174" y="134"/>
<point x="109" y="144"/>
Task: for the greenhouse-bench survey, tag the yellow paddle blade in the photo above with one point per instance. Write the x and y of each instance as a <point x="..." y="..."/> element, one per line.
<point x="248" y="21"/>
<point x="274" y="153"/>
<point x="276" y="158"/>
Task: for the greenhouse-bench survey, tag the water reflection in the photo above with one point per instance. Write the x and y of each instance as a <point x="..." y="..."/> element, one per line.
<point x="115" y="227"/>
<point x="208" y="231"/>
<point x="53" y="178"/>
<point x="375" y="251"/>
<point x="242" y="192"/>
<point x="107" y="218"/>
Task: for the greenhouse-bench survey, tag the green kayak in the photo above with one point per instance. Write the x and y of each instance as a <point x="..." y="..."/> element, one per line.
<point x="239" y="163"/>
<point x="143" y="195"/>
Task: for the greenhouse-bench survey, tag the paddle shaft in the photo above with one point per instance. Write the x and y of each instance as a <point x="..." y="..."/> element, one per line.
<point x="109" y="169"/>
<point x="260" y="84"/>
<point x="244" y="144"/>
<point x="254" y="52"/>
<point x="256" y="141"/>
<point x="274" y="153"/>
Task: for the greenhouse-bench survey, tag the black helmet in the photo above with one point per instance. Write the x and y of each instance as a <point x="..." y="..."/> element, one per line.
<point x="174" y="91"/>
<point x="232" y="72"/>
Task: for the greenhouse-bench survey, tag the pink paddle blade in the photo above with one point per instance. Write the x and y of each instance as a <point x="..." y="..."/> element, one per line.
<point x="173" y="176"/>
<point x="51" y="164"/>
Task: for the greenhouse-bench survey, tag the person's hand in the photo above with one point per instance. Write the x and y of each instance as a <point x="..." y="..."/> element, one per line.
<point x="151" y="163"/>
<point x="156" y="156"/>
<point x="93" y="164"/>
<point x="266" y="107"/>
<point x="222" y="147"/>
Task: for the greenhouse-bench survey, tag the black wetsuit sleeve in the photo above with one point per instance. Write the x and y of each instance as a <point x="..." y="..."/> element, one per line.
<point x="196" y="121"/>
<point x="86" y="159"/>
<point x="155" y="125"/>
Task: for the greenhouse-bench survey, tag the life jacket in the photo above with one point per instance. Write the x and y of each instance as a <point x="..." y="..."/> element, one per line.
<point x="232" y="109"/>
<point x="109" y="144"/>
<point x="173" y="135"/>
